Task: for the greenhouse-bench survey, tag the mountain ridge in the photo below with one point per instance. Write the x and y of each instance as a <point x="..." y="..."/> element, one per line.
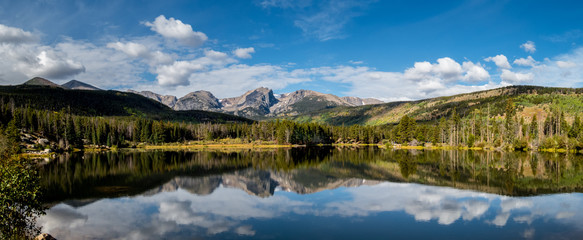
<point x="310" y="106"/>
<point x="39" y="93"/>
<point x="259" y="103"/>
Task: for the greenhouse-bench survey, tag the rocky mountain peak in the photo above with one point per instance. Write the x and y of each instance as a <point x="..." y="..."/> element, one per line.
<point x="259" y="102"/>
<point x="199" y="100"/>
<point x="252" y="103"/>
<point x="167" y="100"/>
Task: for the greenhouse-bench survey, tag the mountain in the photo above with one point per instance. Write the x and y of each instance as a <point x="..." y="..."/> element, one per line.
<point x="38" y="81"/>
<point x="200" y="100"/>
<point x="251" y="104"/>
<point x="167" y="100"/>
<point x="304" y="101"/>
<point x="35" y="94"/>
<point x="261" y="183"/>
<point x="259" y="103"/>
<point x="78" y="85"/>
<point x="529" y="100"/>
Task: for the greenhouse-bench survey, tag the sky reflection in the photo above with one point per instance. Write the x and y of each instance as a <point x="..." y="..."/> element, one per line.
<point x="231" y="212"/>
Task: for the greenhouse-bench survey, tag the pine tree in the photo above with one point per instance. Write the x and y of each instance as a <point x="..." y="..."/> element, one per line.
<point x="575" y="128"/>
<point x="534" y="127"/>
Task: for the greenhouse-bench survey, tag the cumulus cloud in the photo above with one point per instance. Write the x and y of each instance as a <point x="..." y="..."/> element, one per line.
<point x="475" y="72"/>
<point x="528" y="46"/>
<point x="500" y="60"/>
<point x="35" y="60"/>
<point x="445" y="68"/>
<point x="228" y="210"/>
<point x="244" y="52"/>
<point x="424" y="80"/>
<point x="50" y="65"/>
<point x="15" y="35"/>
<point x="176" y="29"/>
<point x="246" y="230"/>
<point x="131" y="49"/>
<point x="96" y="65"/>
<point x="566" y="64"/>
<point x="176" y="74"/>
<point x="516" y="78"/>
<point x="528" y="61"/>
<point x="236" y="79"/>
<point x="212" y="57"/>
<point x="62" y="215"/>
<point x="137" y="50"/>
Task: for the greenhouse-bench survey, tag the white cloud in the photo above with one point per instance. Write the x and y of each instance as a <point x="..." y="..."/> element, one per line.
<point x="445" y="68"/>
<point x="213" y="60"/>
<point x="244" y="52"/>
<point x="528" y="61"/>
<point x="236" y="79"/>
<point x="528" y="46"/>
<point x="475" y="72"/>
<point x="176" y="29"/>
<point x="15" y="35"/>
<point x="50" y="65"/>
<point x="105" y="68"/>
<point x="559" y="71"/>
<point x="424" y="80"/>
<point x="30" y="60"/>
<point x="246" y="230"/>
<point x="228" y="210"/>
<point x="138" y="50"/>
<point x="500" y="60"/>
<point x="566" y="64"/>
<point x="131" y="49"/>
<point x="176" y="74"/>
<point x="516" y="78"/>
<point x="62" y="215"/>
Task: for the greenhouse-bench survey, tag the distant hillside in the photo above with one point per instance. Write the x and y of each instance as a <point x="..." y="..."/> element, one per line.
<point x="78" y="85"/>
<point x="102" y="103"/>
<point x="528" y="99"/>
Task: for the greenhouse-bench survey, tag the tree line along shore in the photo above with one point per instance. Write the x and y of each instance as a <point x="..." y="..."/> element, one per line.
<point x="27" y="128"/>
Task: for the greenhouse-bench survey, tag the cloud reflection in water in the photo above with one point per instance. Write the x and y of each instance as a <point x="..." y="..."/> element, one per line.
<point x="229" y="210"/>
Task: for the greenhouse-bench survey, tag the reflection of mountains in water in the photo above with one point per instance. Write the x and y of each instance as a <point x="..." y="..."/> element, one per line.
<point x="261" y="183"/>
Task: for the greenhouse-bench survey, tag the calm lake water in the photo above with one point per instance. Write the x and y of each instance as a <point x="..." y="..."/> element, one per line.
<point x="314" y="193"/>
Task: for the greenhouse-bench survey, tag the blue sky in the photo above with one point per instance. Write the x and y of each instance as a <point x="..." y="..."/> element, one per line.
<point x="391" y="50"/>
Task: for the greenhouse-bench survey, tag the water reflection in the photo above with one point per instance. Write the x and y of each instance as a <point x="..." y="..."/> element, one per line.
<point x="325" y="193"/>
<point x="230" y="212"/>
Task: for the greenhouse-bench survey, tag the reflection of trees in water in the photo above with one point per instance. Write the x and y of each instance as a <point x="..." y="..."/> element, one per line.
<point x="123" y="173"/>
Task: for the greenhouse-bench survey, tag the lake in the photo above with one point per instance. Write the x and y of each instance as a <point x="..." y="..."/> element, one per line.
<point x="314" y="193"/>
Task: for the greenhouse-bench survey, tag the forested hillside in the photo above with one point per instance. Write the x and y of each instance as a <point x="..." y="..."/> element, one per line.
<point x="102" y="103"/>
<point x="528" y="100"/>
<point x="520" y="117"/>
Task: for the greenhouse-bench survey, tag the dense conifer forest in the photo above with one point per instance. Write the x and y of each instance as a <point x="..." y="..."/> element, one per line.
<point x="493" y="124"/>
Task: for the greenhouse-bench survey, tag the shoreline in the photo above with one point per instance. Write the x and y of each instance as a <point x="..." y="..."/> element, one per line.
<point x="218" y="145"/>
